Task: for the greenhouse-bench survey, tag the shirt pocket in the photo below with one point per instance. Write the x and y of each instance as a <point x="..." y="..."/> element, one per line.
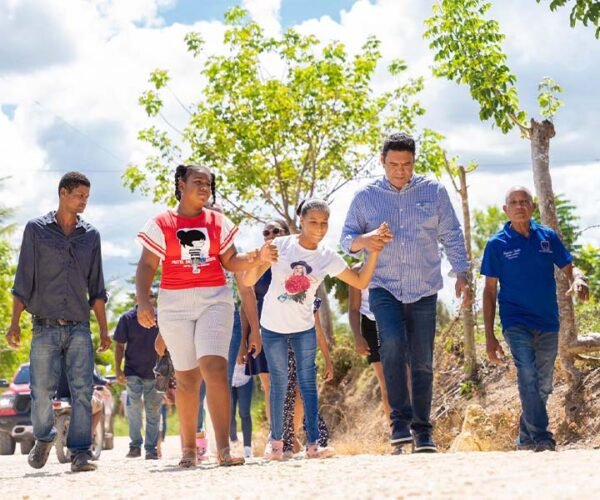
<point x="426" y="215"/>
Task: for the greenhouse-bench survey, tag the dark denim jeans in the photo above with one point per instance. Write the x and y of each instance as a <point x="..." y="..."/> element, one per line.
<point x="50" y="346"/>
<point x="242" y="397"/>
<point x="304" y="345"/>
<point x="534" y="353"/>
<point x="139" y="389"/>
<point x="406" y="334"/>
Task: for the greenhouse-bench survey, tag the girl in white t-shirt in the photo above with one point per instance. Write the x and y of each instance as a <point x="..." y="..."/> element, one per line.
<point x="287" y="314"/>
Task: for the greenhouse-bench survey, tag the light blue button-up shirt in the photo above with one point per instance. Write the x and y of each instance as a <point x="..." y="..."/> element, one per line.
<point x="420" y="216"/>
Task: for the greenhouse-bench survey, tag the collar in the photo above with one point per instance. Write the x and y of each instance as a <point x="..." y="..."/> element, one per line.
<point x="511" y="233"/>
<point x="50" y="218"/>
<point x="386" y="184"/>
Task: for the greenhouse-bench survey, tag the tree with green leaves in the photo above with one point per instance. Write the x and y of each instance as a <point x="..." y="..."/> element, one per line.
<point x="583" y="11"/>
<point x="9" y="359"/>
<point x="274" y="139"/>
<point x="277" y="135"/>
<point x="468" y="50"/>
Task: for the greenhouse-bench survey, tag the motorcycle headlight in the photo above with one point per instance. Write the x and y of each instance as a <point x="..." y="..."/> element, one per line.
<point x="7" y="401"/>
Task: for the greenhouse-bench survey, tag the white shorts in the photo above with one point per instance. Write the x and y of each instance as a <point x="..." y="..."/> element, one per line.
<point x="195" y="322"/>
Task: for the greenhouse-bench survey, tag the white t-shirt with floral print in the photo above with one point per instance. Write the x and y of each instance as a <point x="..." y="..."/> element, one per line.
<point x="288" y="304"/>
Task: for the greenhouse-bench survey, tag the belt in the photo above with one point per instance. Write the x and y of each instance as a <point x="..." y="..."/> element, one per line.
<point x="53" y="322"/>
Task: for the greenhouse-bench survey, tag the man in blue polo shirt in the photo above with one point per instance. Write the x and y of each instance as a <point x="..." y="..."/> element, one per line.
<point x="522" y="256"/>
<point x="137" y="344"/>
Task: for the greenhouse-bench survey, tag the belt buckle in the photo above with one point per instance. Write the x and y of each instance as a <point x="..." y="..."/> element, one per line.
<point x="63" y="322"/>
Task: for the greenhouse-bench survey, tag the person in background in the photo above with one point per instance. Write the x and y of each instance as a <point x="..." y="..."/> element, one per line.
<point x="366" y="338"/>
<point x="135" y="344"/>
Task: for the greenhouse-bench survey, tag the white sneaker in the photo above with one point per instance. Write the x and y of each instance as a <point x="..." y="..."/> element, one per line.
<point x="247" y="451"/>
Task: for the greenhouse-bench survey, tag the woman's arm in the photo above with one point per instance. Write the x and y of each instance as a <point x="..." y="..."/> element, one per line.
<point x="324" y="347"/>
<point x="360" y="278"/>
<point x="354" y="300"/>
<point x="238" y="262"/>
<point x="249" y="315"/>
<point x="146" y="269"/>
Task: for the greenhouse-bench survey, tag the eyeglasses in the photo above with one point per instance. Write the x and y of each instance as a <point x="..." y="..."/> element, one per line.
<point x="275" y="231"/>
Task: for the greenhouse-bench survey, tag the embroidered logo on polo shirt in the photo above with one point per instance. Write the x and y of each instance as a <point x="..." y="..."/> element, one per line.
<point x="512" y="254"/>
<point x="545" y="247"/>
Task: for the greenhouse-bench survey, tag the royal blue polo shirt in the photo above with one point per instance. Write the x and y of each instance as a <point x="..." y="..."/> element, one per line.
<point x="140" y="356"/>
<point x="525" y="270"/>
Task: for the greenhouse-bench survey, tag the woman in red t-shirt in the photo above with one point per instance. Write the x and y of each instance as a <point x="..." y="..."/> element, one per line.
<point x="195" y="307"/>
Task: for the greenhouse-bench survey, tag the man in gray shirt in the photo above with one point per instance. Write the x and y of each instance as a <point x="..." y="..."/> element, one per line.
<point x="59" y="278"/>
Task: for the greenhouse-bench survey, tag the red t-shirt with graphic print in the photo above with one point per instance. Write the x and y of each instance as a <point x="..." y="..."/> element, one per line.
<point x="189" y="247"/>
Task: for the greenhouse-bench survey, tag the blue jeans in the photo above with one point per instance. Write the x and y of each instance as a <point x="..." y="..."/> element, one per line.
<point x="534" y="353"/>
<point x="406" y="334"/>
<point x="138" y="389"/>
<point x="242" y="396"/>
<point x="50" y="347"/>
<point x="304" y="345"/>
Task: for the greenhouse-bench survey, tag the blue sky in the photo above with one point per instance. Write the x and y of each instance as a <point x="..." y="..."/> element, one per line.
<point x="292" y="11"/>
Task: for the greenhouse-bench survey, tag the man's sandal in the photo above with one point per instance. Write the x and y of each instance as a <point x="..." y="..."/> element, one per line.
<point x="226" y="460"/>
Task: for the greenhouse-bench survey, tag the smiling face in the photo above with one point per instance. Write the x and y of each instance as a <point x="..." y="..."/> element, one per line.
<point x="399" y="167"/>
<point x="273" y="230"/>
<point x="196" y="188"/>
<point x="519" y="206"/>
<point x="315" y="224"/>
<point x="74" y="201"/>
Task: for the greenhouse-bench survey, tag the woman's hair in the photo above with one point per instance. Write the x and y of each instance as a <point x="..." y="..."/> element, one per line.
<point x="182" y="173"/>
<point x="312" y="204"/>
<point x="281" y="223"/>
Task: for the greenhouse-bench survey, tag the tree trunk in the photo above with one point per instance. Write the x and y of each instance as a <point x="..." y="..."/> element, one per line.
<point x="569" y="344"/>
<point x="325" y="314"/>
<point x="468" y="315"/>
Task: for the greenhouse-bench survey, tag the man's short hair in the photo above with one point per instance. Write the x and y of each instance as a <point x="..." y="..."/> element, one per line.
<point x="398" y="141"/>
<point x="71" y="180"/>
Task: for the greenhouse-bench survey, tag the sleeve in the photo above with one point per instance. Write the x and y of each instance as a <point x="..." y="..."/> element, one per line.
<point x="152" y="238"/>
<point x="120" y="334"/>
<point x="560" y="254"/>
<point x="490" y="264"/>
<point x="335" y="264"/>
<point x="450" y="234"/>
<point x="25" y="276"/>
<point x="354" y="225"/>
<point x="96" y="288"/>
<point x="228" y="232"/>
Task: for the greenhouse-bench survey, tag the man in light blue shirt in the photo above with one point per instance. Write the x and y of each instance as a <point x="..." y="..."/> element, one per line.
<point x="403" y="292"/>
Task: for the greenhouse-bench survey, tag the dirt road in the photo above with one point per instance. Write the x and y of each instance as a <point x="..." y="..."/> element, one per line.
<point x="567" y="474"/>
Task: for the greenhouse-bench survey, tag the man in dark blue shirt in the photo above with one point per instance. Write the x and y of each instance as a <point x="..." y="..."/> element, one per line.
<point x="59" y="278"/>
<point x="136" y="343"/>
<point x="521" y="257"/>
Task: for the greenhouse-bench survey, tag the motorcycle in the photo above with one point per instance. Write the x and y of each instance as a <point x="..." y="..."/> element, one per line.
<point x="101" y="406"/>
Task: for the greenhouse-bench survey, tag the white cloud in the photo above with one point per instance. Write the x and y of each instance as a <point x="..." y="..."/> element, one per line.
<point x="265" y="13"/>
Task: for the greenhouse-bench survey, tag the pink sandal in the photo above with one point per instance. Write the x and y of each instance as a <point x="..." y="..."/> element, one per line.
<point x="276" y="451"/>
<point x="201" y="447"/>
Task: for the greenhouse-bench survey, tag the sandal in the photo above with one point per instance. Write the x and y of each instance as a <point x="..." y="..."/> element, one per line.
<point x="201" y="447"/>
<point x="226" y="460"/>
<point x="316" y="451"/>
<point x="275" y="451"/>
<point x="188" y="458"/>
